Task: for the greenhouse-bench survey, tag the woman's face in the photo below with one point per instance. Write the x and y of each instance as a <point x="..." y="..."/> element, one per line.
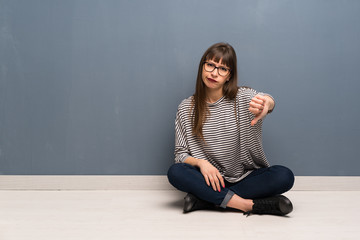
<point x="216" y="78"/>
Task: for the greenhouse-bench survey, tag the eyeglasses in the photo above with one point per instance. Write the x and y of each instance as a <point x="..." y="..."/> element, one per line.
<point x="222" y="71"/>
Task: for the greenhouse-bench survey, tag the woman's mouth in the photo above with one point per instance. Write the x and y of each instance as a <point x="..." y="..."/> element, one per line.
<point x="212" y="80"/>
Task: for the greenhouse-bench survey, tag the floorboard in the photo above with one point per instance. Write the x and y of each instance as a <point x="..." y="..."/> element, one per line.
<point x="157" y="214"/>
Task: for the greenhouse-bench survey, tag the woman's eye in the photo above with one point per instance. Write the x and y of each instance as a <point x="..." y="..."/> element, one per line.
<point x="223" y="69"/>
<point x="210" y="64"/>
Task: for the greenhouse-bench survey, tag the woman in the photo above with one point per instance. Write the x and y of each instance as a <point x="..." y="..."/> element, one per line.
<point x="219" y="159"/>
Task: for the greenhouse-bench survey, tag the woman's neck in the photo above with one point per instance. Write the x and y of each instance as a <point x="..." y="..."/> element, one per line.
<point x="213" y="95"/>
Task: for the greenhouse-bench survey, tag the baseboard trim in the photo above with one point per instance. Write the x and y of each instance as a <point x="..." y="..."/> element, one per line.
<point x="152" y="182"/>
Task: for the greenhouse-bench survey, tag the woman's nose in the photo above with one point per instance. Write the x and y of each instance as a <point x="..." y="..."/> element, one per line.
<point x="214" y="72"/>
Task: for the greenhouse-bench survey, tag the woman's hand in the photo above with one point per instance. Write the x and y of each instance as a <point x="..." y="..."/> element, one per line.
<point x="259" y="106"/>
<point x="211" y="174"/>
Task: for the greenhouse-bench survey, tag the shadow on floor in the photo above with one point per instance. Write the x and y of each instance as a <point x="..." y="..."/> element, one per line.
<point x="178" y="204"/>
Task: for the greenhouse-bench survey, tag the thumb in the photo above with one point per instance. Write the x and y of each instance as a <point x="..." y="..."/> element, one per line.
<point x="255" y="120"/>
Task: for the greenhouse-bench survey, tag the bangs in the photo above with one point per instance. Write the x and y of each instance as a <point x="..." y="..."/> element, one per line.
<point x="222" y="56"/>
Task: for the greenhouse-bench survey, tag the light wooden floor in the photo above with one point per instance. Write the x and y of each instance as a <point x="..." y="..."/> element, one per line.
<point x="157" y="214"/>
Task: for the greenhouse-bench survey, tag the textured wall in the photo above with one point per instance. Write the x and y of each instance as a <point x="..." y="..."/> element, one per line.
<point x="92" y="87"/>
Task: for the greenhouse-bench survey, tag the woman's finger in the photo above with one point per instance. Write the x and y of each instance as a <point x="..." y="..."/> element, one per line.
<point x="256" y="105"/>
<point x="217" y="184"/>
<point x="257" y="100"/>
<point x="207" y="180"/>
<point x="260" y="97"/>
<point x="221" y="180"/>
<point x="255" y="111"/>
<point x="212" y="182"/>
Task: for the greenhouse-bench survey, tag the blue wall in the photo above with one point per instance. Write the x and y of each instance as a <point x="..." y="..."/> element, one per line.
<point x="92" y="86"/>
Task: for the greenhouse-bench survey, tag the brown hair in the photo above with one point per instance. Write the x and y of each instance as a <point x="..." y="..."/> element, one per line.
<point x="218" y="52"/>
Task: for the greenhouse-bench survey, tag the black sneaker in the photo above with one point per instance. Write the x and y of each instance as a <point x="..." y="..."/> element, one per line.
<point x="277" y="205"/>
<point x="192" y="203"/>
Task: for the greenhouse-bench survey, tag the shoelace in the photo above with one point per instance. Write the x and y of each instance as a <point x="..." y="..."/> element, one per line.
<point x="263" y="206"/>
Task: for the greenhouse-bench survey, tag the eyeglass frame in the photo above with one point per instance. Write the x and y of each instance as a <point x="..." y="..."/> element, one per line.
<point x="217" y="69"/>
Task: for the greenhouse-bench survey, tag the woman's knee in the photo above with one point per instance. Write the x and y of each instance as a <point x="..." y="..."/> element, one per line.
<point x="181" y="176"/>
<point x="173" y="170"/>
<point x="285" y="177"/>
<point x="176" y="172"/>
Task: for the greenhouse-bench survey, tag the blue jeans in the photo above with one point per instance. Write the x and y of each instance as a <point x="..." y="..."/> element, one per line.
<point x="260" y="183"/>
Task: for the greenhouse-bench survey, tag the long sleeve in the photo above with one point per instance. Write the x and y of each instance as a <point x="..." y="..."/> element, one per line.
<point x="181" y="143"/>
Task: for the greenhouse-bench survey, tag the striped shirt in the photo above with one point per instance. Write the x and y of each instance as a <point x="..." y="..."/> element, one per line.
<point x="231" y="144"/>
